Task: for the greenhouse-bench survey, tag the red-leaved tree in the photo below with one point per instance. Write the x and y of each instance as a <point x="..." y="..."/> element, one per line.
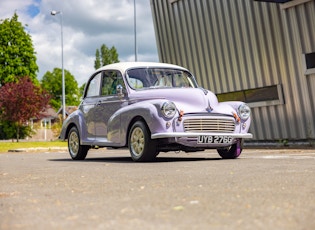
<point x="19" y="102"/>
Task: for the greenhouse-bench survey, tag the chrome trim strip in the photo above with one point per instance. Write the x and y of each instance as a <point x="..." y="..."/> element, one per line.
<point x="168" y="135"/>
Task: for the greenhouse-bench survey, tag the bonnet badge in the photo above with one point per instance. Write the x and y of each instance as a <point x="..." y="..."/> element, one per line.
<point x="209" y="108"/>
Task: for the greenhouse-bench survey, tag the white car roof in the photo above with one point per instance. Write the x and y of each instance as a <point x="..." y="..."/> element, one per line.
<point x="123" y="66"/>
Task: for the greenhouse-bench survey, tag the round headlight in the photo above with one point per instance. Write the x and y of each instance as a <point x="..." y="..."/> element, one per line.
<point x="168" y="109"/>
<point x="244" y="111"/>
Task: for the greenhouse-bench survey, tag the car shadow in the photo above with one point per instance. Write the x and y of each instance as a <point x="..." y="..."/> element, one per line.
<point x="129" y="160"/>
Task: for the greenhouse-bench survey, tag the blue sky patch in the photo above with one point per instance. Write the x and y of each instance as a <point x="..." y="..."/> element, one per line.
<point x="33" y="10"/>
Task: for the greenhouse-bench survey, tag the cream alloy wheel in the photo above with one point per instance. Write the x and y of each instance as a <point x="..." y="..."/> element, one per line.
<point x="141" y="146"/>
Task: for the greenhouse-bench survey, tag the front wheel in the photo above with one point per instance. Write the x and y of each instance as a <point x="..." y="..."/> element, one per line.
<point x="231" y="152"/>
<point x="76" y="150"/>
<point x="141" y="146"/>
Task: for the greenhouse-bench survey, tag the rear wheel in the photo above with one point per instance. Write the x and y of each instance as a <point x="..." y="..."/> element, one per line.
<point x="141" y="146"/>
<point x="76" y="150"/>
<point x="231" y="152"/>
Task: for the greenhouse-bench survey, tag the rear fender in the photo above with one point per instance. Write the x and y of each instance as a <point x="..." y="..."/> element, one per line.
<point x="75" y="119"/>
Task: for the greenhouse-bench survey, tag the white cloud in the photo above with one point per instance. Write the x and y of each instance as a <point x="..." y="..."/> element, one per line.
<point x="86" y="26"/>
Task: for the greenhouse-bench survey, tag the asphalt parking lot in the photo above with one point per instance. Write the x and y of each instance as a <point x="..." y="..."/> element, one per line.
<point x="263" y="189"/>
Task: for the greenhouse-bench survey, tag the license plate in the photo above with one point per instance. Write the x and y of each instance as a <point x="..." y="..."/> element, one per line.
<point x="215" y="140"/>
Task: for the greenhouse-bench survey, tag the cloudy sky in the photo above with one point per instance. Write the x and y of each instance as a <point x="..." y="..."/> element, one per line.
<point x="87" y="24"/>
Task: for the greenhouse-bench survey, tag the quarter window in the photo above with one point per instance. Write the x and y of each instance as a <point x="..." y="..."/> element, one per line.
<point x="94" y="86"/>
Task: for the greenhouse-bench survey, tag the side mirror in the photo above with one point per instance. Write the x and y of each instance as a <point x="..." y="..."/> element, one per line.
<point x="119" y="90"/>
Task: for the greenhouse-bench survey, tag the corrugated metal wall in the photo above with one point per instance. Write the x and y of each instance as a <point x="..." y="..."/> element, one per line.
<point x="232" y="45"/>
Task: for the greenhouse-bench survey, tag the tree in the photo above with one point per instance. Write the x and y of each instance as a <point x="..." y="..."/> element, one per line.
<point x="21" y="101"/>
<point x="17" y="55"/>
<point x="97" y="62"/>
<point x="81" y="89"/>
<point x="105" y="56"/>
<point x="52" y="82"/>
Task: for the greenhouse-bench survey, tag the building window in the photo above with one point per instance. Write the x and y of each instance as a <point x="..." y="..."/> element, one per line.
<point x="263" y="96"/>
<point x="285" y="4"/>
<point x="275" y="1"/>
<point x="309" y="63"/>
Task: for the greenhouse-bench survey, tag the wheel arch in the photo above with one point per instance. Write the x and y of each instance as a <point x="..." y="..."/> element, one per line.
<point x="134" y="120"/>
<point x="70" y="126"/>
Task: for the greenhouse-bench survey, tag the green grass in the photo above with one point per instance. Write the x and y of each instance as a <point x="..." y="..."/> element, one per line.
<point x="6" y="146"/>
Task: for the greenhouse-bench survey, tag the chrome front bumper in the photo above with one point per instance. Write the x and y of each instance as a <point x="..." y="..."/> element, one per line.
<point x="179" y="135"/>
<point x="204" y="140"/>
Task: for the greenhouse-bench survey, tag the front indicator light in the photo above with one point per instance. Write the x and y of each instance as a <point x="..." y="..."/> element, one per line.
<point x="236" y="117"/>
<point x="181" y="114"/>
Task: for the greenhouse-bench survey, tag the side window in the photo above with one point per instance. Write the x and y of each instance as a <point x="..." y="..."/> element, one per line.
<point x="94" y="86"/>
<point x="111" y="79"/>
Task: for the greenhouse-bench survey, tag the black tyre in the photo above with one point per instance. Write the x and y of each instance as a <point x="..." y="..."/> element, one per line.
<point x="231" y="152"/>
<point x="76" y="150"/>
<point x="142" y="148"/>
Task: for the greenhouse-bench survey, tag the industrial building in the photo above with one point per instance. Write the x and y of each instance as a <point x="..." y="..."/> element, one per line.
<point x="260" y="52"/>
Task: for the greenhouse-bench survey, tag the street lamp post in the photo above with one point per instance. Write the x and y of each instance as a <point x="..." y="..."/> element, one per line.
<point x="135" y="29"/>
<point x="53" y="13"/>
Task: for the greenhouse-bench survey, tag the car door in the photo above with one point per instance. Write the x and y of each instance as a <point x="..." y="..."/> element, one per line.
<point x="88" y="106"/>
<point x="108" y="103"/>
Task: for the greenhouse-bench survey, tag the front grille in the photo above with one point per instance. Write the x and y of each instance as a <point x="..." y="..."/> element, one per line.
<point x="207" y="125"/>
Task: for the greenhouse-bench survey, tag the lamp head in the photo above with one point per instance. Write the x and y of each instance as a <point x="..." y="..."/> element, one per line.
<point x="53" y="12"/>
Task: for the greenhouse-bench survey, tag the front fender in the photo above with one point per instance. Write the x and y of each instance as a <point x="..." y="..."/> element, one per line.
<point x="120" y="122"/>
<point x="244" y="124"/>
<point x="233" y="104"/>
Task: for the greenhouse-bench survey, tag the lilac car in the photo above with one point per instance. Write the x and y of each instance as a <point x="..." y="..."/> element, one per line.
<point x="152" y="108"/>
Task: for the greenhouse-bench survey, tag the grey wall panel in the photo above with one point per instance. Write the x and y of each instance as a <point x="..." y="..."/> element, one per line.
<point x="299" y="24"/>
<point x="244" y="44"/>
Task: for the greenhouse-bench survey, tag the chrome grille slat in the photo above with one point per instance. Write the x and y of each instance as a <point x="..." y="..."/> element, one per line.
<point x="219" y="125"/>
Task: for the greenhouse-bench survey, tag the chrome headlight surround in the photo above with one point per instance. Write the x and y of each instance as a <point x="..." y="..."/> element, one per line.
<point x="244" y="111"/>
<point x="168" y="109"/>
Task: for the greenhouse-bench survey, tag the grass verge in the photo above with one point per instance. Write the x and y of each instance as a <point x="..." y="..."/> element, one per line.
<point x="6" y="146"/>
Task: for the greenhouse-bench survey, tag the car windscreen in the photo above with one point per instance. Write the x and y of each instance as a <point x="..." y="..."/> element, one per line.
<point x="146" y="78"/>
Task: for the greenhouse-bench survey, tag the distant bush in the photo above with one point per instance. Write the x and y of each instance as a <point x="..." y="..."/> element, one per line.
<point x="8" y="130"/>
